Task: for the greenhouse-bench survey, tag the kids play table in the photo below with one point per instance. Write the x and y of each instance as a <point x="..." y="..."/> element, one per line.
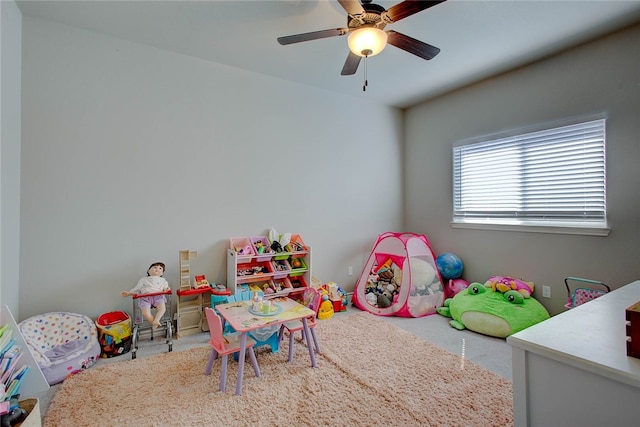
<point x="244" y="320"/>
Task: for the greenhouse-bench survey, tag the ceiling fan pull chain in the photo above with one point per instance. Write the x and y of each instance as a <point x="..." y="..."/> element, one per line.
<point x="366" y="83"/>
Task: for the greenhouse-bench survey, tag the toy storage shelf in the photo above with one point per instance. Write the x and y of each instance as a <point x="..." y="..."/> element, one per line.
<point x="190" y="307"/>
<point x="34" y="381"/>
<point x="289" y="270"/>
<point x="190" y="301"/>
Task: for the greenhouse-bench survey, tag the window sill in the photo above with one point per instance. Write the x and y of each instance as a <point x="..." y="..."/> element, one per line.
<point x="558" y="228"/>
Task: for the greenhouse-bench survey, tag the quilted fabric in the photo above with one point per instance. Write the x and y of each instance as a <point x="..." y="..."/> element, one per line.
<point x="61" y="343"/>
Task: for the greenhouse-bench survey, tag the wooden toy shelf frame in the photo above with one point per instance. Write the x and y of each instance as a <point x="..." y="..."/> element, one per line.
<point x="237" y="261"/>
<point x="191" y="302"/>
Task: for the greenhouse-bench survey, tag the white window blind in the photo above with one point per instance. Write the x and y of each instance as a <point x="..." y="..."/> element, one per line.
<point x="547" y="177"/>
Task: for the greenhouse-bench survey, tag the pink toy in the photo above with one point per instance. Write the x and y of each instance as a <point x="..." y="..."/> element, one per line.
<point x="454" y="286"/>
<point x="506" y="283"/>
<point x="244" y="251"/>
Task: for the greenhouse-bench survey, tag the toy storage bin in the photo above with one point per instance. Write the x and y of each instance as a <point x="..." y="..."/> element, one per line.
<point x="243" y="287"/>
<point x="259" y="285"/>
<point x="267" y="287"/>
<point x="32" y="407"/>
<point x="243" y="248"/>
<point x="298" y="282"/>
<point x="281" y="256"/>
<point x="297" y="270"/>
<point x="297" y="244"/>
<point x="284" y="254"/>
<point x="254" y="271"/>
<point x="261" y="247"/>
<point x="282" y="285"/>
<point x="114" y="333"/>
<point x="281" y="268"/>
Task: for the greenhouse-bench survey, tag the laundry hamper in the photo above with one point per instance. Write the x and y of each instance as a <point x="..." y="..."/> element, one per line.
<point x="114" y="333"/>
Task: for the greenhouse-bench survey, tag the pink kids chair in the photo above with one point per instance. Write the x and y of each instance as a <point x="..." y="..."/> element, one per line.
<point x="224" y="346"/>
<point x="310" y="298"/>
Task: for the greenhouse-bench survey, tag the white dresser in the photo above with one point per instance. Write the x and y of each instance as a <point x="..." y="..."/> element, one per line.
<point x="573" y="369"/>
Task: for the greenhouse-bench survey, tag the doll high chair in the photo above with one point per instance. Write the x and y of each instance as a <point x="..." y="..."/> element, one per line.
<point x="583" y="290"/>
<point x="141" y="324"/>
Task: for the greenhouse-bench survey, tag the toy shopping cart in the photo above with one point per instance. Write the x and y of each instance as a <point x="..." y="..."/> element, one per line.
<point x="141" y="324"/>
<point x="581" y="290"/>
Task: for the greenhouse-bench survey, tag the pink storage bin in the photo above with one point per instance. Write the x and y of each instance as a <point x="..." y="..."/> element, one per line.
<point x="261" y="247"/>
<point x="243" y="248"/>
<point x="282" y="285"/>
<point x="281" y="268"/>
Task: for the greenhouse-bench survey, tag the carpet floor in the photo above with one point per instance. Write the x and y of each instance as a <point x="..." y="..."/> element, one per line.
<point x="370" y="373"/>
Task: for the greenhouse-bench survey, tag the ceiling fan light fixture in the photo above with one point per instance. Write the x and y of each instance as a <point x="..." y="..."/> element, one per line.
<point x="368" y="41"/>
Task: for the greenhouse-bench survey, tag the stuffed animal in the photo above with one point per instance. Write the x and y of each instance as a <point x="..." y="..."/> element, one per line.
<point x="278" y="241"/>
<point x="454" y="286"/>
<point x="383" y="286"/>
<point x="483" y="310"/>
<point x="422" y="273"/>
<point x="371" y="298"/>
<point x="506" y="283"/>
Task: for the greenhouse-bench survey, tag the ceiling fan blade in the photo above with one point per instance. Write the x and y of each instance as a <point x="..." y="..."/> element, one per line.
<point x="351" y="64"/>
<point x="408" y="8"/>
<point x="411" y="45"/>
<point x="353" y="7"/>
<point x="313" y="35"/>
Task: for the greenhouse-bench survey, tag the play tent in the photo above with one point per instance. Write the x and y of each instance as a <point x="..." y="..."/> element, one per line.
<point x="400" y="277"/>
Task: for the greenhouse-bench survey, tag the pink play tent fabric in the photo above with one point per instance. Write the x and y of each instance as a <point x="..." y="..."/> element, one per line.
<point x="400" y="277"/>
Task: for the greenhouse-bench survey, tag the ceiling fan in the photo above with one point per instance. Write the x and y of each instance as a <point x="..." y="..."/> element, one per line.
<point x="365" y="24"/>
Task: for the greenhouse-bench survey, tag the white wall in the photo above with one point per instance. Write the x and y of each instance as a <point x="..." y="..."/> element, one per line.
<point x="10" y="52"/>
<point x="602" y="76"/>
<point x="130" y="154"/>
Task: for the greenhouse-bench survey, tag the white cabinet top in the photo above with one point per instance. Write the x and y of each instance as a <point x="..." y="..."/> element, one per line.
<point x="591" y="336"/>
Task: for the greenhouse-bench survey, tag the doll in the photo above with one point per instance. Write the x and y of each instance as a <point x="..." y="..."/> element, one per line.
<point x="152" y="283"/>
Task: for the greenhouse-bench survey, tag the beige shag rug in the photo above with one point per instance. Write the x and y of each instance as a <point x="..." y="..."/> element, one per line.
<point x="370" y="373"/>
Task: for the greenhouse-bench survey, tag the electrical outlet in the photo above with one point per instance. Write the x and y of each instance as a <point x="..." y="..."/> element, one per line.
<point x="350" y="271"/>
<point x="546" y="292"/>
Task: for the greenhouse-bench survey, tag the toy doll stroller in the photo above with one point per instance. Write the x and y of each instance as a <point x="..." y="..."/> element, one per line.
<point x="141" y="324"/>
<point x="584" y="290"/>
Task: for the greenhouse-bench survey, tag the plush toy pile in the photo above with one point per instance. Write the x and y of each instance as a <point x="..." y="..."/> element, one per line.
<point x="499" y="308"/>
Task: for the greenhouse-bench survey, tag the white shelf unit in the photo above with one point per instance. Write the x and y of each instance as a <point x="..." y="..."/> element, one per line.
<point x="298" y="278"/>
<point x="34" y="381"/>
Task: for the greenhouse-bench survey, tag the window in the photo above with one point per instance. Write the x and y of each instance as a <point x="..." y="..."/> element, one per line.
<point x="549" y="180"/>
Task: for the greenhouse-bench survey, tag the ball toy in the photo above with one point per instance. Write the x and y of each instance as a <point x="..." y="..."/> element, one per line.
<point x="449" y="265"/>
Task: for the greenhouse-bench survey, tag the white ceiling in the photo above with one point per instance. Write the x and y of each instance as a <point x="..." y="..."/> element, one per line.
<point x="477" y="38"/>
